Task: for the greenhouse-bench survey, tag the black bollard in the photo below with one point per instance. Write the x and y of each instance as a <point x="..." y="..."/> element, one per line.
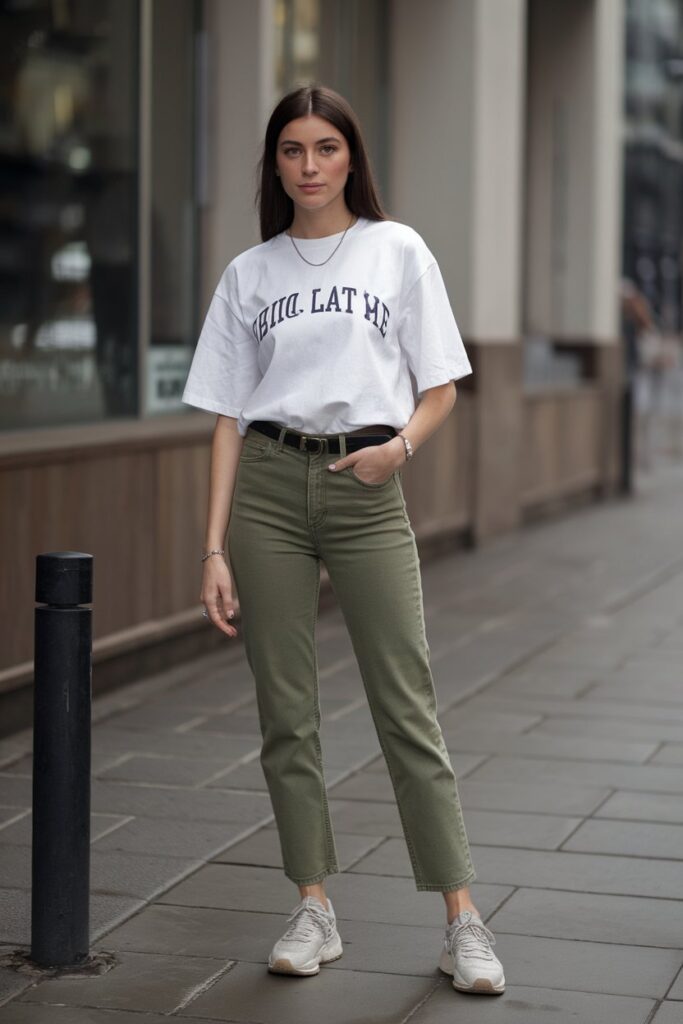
<point x="60" y="922"/>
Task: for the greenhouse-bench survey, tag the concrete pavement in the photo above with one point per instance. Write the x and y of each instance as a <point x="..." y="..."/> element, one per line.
<point x="558" y="659"/>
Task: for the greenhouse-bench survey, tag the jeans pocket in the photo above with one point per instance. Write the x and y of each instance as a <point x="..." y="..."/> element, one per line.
<point x="363" y="483"/>
<point x="256" y="449"/>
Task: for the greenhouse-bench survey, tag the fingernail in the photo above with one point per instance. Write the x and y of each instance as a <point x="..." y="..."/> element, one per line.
<point x="332" y="466"/>
<point x="231" y="615"/>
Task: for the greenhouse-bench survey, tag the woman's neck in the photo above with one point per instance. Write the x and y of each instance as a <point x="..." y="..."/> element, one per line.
<point x="309" y="224"/>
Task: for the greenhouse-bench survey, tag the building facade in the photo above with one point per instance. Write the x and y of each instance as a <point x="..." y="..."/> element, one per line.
<point x="130" y="134"/>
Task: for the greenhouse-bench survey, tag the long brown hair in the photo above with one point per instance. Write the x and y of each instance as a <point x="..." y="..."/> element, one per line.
<point x="275" y="207"/>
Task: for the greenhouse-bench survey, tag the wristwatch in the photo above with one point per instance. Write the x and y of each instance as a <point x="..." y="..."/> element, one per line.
<point x="408" y="446"/>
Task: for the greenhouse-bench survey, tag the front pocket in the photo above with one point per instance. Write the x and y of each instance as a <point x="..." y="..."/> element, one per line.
<point x="384" y="483"/>
<point x="254" y="450"/>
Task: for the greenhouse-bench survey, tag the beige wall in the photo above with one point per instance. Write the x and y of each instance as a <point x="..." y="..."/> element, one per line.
<point x="497" y="154"/>
<point x="241" y="93"/>
<point x="574" y="168"/>
<point x="457" y="146"/>
<point x="431" y="70"/>
<point x="606" y="243"/>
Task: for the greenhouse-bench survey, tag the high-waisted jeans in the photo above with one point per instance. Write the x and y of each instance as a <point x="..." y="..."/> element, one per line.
<point x="289" y="512"/>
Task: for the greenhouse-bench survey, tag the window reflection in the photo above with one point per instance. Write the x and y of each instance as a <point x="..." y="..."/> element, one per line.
<point x="68" y="347"/>
<point x="173" y="205"/>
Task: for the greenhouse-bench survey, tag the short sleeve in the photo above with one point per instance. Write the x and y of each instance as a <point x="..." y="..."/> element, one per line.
<point x="224" y="370"/>
<point x="429" y="335"/>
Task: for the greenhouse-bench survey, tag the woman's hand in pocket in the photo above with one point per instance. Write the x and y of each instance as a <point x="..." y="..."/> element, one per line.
<point x="217" y="595"/>
<point x="374" y="463"/>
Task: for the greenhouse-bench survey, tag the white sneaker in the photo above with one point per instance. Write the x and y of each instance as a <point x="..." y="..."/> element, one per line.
<point x="468" y="957"/>
<point x="311" y="939"/>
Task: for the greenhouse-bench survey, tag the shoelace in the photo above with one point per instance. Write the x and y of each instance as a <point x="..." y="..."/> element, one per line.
<point x="305" y="917"/>
<point x="474" y="937"/>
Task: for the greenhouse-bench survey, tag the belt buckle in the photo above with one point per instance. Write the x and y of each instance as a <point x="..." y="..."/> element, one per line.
<point x="303" y="444"/>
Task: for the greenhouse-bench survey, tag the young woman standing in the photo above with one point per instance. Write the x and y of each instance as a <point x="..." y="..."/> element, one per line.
<point x="306" y="355"/>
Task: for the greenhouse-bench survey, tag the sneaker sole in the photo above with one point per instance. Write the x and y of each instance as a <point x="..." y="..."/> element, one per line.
<point x="284" y="966"/>
<point x="482" y="986"/>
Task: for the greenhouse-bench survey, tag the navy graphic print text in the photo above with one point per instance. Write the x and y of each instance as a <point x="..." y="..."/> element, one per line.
<point x="339" y="299"/>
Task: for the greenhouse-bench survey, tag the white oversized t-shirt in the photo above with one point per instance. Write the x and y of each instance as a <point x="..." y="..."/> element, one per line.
<point x="327" y="349"/>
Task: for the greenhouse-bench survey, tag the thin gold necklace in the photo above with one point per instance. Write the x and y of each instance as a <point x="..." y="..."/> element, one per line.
<point x="331" y="254"/>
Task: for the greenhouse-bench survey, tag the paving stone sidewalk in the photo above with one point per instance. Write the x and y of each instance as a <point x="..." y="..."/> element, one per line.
<point x="558" y="659"/>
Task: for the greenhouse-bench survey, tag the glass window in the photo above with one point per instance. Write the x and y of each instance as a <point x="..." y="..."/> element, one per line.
<point x="68" y="217"/>
<point x="174" y="179"/>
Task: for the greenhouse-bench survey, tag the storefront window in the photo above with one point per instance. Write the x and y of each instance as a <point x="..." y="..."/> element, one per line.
<point x="68" y="221"/>
<point x="178" y="65"/>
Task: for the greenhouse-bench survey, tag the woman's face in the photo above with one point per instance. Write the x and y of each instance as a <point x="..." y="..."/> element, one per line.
<point x="312" y="152"/>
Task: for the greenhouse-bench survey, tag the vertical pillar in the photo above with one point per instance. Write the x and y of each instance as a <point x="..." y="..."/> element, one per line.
<point x="457" y="156"/>
<point x="497" y="153"/>
<point x="241" y="93"/>
<point x="606" y="240"/>
<point x="574" y="193"/>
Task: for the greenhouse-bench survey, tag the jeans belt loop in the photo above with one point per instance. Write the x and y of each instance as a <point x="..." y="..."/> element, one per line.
<point x="281" y="438"/>
<point x="342" y="446"/>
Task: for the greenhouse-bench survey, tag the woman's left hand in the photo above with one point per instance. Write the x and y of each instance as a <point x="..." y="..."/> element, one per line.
<point x="375" y="463"/>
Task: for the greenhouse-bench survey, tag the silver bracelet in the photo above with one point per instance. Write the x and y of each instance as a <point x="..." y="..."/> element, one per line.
<point x="216" y="551"/>
<point x="408" y="446"/>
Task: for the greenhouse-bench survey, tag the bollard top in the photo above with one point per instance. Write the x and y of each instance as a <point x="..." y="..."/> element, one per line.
<point x="64" y="578"/>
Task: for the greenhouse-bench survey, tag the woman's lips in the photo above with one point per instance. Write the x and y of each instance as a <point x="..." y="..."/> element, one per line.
<point x="310" y="188"/>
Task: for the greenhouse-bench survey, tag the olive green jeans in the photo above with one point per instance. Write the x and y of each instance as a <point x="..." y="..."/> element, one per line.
<point x="289" y="513"/>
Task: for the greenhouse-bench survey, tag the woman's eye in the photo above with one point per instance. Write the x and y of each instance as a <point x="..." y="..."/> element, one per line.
<point x="292" y="150"/>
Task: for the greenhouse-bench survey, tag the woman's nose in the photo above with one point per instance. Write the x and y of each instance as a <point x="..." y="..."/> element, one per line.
<point x="310" y="164"/>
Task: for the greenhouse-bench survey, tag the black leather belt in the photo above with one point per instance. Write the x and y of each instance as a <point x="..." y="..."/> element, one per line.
<point x="311" y="443"/>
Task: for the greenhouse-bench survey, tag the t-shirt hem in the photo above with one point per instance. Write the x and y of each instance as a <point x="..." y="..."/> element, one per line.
<point x="443" y="378"/>
<point x="210" y="405"/>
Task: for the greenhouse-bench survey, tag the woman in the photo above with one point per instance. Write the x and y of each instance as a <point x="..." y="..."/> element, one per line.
<point x="306" y="355"/>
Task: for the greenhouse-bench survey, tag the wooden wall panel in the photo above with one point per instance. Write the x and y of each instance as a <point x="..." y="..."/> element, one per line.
<point x="561" y="446"/>
<point x="181" y="526"/>
<point x="438" y="482"/>
<point x="104" y="506"/>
